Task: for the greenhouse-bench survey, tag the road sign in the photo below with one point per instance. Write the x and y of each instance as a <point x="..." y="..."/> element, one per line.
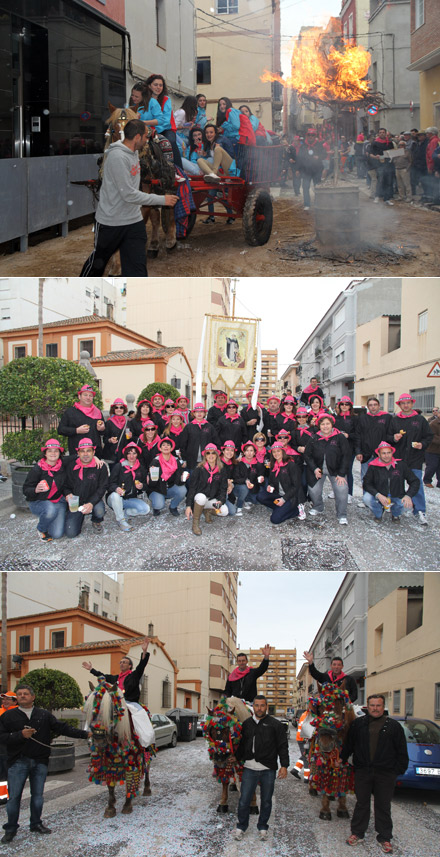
<point x="372" y="110"/>
<point x="435" y="371"/>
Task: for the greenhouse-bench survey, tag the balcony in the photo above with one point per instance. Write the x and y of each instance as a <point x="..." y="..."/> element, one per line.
<point x="326" y="374"/>
<point x="318" y="353"/>
<point x="326" y="342"/>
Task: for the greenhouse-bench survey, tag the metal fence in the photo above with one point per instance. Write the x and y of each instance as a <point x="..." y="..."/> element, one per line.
<point x="16" y="424"/>
<point x="38" y="193"/>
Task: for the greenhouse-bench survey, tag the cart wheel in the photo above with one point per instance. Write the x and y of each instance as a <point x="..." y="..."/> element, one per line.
<point x="257" y="218"/>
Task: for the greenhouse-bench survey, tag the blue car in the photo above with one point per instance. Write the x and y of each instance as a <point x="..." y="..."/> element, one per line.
<point x="423" y="741"/>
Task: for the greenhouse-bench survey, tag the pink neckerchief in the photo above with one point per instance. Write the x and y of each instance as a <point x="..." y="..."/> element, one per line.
<point x="288" y="417"/>
<point x="310" y="389"/>
<point x="221" y="408"/>
<point x="252" y="462"/>
<point x="274" y="413"/>
<point x="156" y="410"/>
<point x="336" y="678"/>
<point x="93" y="412"/>
<point x="211" y="472"/>
<point x="261" y="455"/>
<point x="80" y="466"/>
<point x="232" y="417"/>
<point x="128" y="469"/>
<point x="290" y="451"/>
<point x="378" y="463"/>
<point x="237" y="674"/>
<point x="259" y="405"/>
<point x="228" y="463"/>
<point x="405" y="416"/>
<point x="50" y="470"/>
<point x="379" y="414"/>
<point x="121" y="679"/>
<point x="303" y="430"/>
<point x="199" y="422"/>
<point x="277" y="466"/>
<point x="117" y="420"/>
<point x="328" y="436"/>
<point x="168" y="467"/>
<point x="176" y="431"/>
<point x="344" y="416"/>
<point x="153" y="443"/>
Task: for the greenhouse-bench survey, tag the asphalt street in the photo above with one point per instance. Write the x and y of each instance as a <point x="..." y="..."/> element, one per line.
<point x="249" y="543"/>
<point x="180" y="818"/>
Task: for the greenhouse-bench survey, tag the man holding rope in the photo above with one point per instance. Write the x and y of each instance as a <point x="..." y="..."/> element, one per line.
<point x="26" y="731"/>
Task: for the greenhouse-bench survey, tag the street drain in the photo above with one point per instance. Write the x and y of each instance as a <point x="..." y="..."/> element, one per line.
<point x="325" y="556"/>
<point x="26" y="564"/>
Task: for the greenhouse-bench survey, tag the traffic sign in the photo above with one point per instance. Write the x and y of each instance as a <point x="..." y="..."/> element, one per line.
<point x="435" y="371"/>
<point x="372" y="110"/>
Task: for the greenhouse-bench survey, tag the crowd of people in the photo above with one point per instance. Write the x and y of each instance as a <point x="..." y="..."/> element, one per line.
<point x="403" y="166"/>
<point x="226" y="460"/>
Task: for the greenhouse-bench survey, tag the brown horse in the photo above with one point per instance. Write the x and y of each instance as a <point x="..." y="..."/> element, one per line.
<point x="328" y="776"/>
<point x="223" y="733"/>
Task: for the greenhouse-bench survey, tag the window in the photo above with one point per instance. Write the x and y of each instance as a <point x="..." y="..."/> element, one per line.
<point x="105" y="615"/>
<point x="423" y="321"/>
<point x="96" y="608"/>
<point x="166" y="693"/>
<point x="437" y="701"/>
<point x="19" y="351"/>
<point x="350" y="26"/>
<point x="204" y="70"/>
<point x="420" y="13"/>
<point x="381" y="398"/>
<point x="161" y="37"/>
<point x="227" y="7"/>
<point x="348" y="601"/>
<point x="340" y="317"/>
<point x="409" y="701"/>
<point x="366" y="353"/>
<point x="96" y="586"/>
<point x="425" y="398"/>
<point x="107" y="596"/>
<point x="57" y="640"/>
<point x="24" y="644"/>
<point x="6" y="313"/>
<point x="339" y="358"/>
<point x="52" y="350"/>
<point x="396" y="702"/>
<point x="390" y="403"/>
<point x="349" y="645"/>
<point x="87" y="345"/>
<point x="414" y="609"/>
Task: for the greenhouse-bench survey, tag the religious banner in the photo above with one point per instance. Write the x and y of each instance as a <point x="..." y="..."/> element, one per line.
<point x="230" y="351"/>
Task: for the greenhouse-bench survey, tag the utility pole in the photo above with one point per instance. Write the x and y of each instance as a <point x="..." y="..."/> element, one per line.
<point x="4" y="648"/>
<point x="40" y="315"/>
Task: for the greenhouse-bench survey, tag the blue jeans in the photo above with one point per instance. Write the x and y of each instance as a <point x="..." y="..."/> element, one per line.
<point x="251" y="779"/>
<point x="419" y="499"/>
<point x="241" y="491"/>
<point x="75" y="520"/>
<point x="127" y="508"/>
<point x="306" y="182"/>
<point x="364" y="467"/>
<point x="176" y="494"/>
<point x="280" y="513"/>
<point x="432" y="468"/>
<point x="377" y="508"/>
<point x="51" y="516"/>
<point x="17" y="776"/>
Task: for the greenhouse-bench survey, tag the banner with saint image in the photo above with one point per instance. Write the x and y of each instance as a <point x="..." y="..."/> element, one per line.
<point x="231" y="351"/>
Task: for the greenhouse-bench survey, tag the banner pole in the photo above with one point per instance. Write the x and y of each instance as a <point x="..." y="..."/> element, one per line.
<point x="199" y="372"/>
<point x="257" y="369"/>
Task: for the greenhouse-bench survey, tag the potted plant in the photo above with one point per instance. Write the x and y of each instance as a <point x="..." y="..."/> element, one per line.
<point x="55" y="690"/>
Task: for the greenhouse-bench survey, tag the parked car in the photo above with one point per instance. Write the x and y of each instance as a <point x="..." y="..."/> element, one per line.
<point x="165" y="730"/>
<point x="200" y="723"/>
<point x="423" y="742"/>
<point x="286" y="724"/>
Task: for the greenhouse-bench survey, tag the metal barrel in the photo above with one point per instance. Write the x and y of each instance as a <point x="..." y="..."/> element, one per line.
<point x="337" y="218"/>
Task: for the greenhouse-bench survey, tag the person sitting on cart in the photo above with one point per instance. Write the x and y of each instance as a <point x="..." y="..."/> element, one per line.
<point x="262" y="137"/>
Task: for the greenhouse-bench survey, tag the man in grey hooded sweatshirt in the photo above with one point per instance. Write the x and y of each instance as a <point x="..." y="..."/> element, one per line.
<point x="119" y="222"/>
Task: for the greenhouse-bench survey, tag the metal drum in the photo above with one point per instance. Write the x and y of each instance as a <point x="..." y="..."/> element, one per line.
<point x="337" y="218"/>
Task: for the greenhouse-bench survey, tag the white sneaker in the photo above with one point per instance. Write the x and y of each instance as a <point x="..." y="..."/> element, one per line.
<point x="307" y="208"/>
<point x="388" y="202"/>
<point x="422" y="519"/>
<point x="211" y="177"/>
<point x="349" y="499"/>
<point x="361" y="505"/>
<point x="331" y="495"/>
<point x="239" y="513"/>
<point x="343" y="521"/>
<point x="302" y="515"/>
<point x="313" y="512"/>
<point x="238" y="834"/>
<point x="263" y="835"/>
<point x="376" y="199"/>
<point x="247" y="505"/>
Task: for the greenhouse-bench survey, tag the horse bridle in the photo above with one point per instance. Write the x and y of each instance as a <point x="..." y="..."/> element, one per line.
<point x="112" y="129"/>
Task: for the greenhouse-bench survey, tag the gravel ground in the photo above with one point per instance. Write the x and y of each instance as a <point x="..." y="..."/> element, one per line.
<point x="167" y="544"/>
<point x="180" y="819"/>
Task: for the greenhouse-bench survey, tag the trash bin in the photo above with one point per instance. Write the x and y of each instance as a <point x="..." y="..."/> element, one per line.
<point x="186" y="722"/>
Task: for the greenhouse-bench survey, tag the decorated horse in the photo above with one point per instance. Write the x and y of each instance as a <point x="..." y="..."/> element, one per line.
<point x="117" y="755"/>
<point x="332" y="715"/>
<point x="222" y="730"/>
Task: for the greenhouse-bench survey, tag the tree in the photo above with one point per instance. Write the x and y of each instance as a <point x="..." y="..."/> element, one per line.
<point x="53" y="689"/>
<point x="25" y="446"/>
<point x="42" y="387"/>
<point x="165" y="390"/>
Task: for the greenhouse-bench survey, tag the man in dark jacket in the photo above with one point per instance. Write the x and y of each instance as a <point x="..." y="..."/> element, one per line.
<point x="218" y="409"/>
<point x="309" y="164"/>
<point x="263" y="740"/>
<point x="26" y="731"/>
<point x="385" y="170"/>
<point x="335" y="675"/>
<point x="242" y="681"/>
<point x="412" y="435"/>
<point x="84" y="479"/>
<point x="372" y="426"/>
<point x="83" y="419"/>
<point x="384" y="484"/>
<point x="380" y="754"/>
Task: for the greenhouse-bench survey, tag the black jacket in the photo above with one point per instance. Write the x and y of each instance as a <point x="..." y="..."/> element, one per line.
<point x="232" y="430"/>
<point x="301" y="436"/>
<point x="324" y="678"/>
<point x="391" y="752"/>
<point x="337" y="455"/>
<point x="391" y="481"/>
<point x="131" y="681"/>
<point x="161" y="485"/>
<point x="348" y="425"/>
<point x="270" y="425"/>
<point x="246" y="687"/>
<point x="251" y="472"/>
<point x="136" y="427"/>
<point x="147" y="455"/>
<point x="289" y="478"/>
<point x="35" y="475"/>
<point x="288" y="424"/>
<point x="70" y="421"/>
<point x="310" y="164"/>
<point x="417" y="430"/>
<point x="214" y="490"/>
<point x="248" y="413"/>
<point x="214" y="415"/>
<point x="91" y="488"/>
<point x="120" y="476"/>
<point x="113" y="451"/>
<point x="13" y="721"/>
<point x="194" y="438"/>
<point x="271" y="742"/>
<point x="305" y="396"/>
<point x="370" y="431"/>
<point x="418" y="155"/>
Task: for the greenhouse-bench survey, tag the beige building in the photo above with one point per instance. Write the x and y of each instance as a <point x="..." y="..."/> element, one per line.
<point x="269" y="376"/>
<point x="395" y="354"/>
<point x="278" y="684"/>
<point x="403" y="648"/>
<point x="176" y="308"/>
<point x="196" y="614"/>
<point x="237" y="40"/>
<point x="289" y="380"/>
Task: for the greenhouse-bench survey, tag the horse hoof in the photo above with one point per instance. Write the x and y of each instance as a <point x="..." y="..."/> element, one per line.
<point x="223" y="808"/>
<point x="254" y="810"/>
<point x="126" y="810"/>
<point x="152" y="254"/>
<point x="313" y="793"/>
<point x="342" y="813"/>
<point x="326" y="816"/>
<point x="110" y="812"/>
<point x="233" y="788"/>
<point x="146" y="792"/>
<point x="170" y="249"/>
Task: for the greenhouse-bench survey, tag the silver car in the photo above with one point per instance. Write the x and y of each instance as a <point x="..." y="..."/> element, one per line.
<point x="165" y="731"/>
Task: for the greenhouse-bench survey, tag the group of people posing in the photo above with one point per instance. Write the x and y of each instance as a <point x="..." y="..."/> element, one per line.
<point x="224" y="461"/>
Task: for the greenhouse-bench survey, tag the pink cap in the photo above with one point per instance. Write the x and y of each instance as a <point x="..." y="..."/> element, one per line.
<point x="248" y="443"/>
<point x="302" y="412"/>
<point x="231" y="402"/>
<point x="210" y="447"/>
<point x="167" y="439"/>
<point x="199" y="406"/>
<point x="277" y="445"/>
<point x="169" y="402"/>
<point x="150" y="424"/>
<point x="384" y="445"/>
<point x="118" y="402"/>
<point x="220" y="393"/>
<point x="229" y="444"/>
<point x="405" y="397"/>
<point x="86" y="388"/>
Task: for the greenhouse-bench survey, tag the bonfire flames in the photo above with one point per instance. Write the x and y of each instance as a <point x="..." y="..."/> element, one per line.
<point x="336" y="75"/>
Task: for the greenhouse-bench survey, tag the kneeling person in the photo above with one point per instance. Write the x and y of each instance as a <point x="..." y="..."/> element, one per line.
<point x="384" y="484"/>
<point x="207" y="489"/>
<point x="88" y="482"/>
<point x="127" y="480"/>
<point x="165" y="479"/>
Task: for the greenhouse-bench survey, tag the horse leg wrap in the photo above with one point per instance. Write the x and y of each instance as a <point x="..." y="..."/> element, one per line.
<point x="326" y="816"/>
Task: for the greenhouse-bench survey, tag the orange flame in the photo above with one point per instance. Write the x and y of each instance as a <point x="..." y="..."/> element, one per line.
<point x="336" y="76"/>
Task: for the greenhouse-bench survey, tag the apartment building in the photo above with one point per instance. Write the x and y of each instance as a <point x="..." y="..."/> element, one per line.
<point x="29" y="593"/>
<point x="289" y="380"/>
<point x="196" y="614"/>
<point x="278" y="684"/>
<point x="425" y="58"/>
